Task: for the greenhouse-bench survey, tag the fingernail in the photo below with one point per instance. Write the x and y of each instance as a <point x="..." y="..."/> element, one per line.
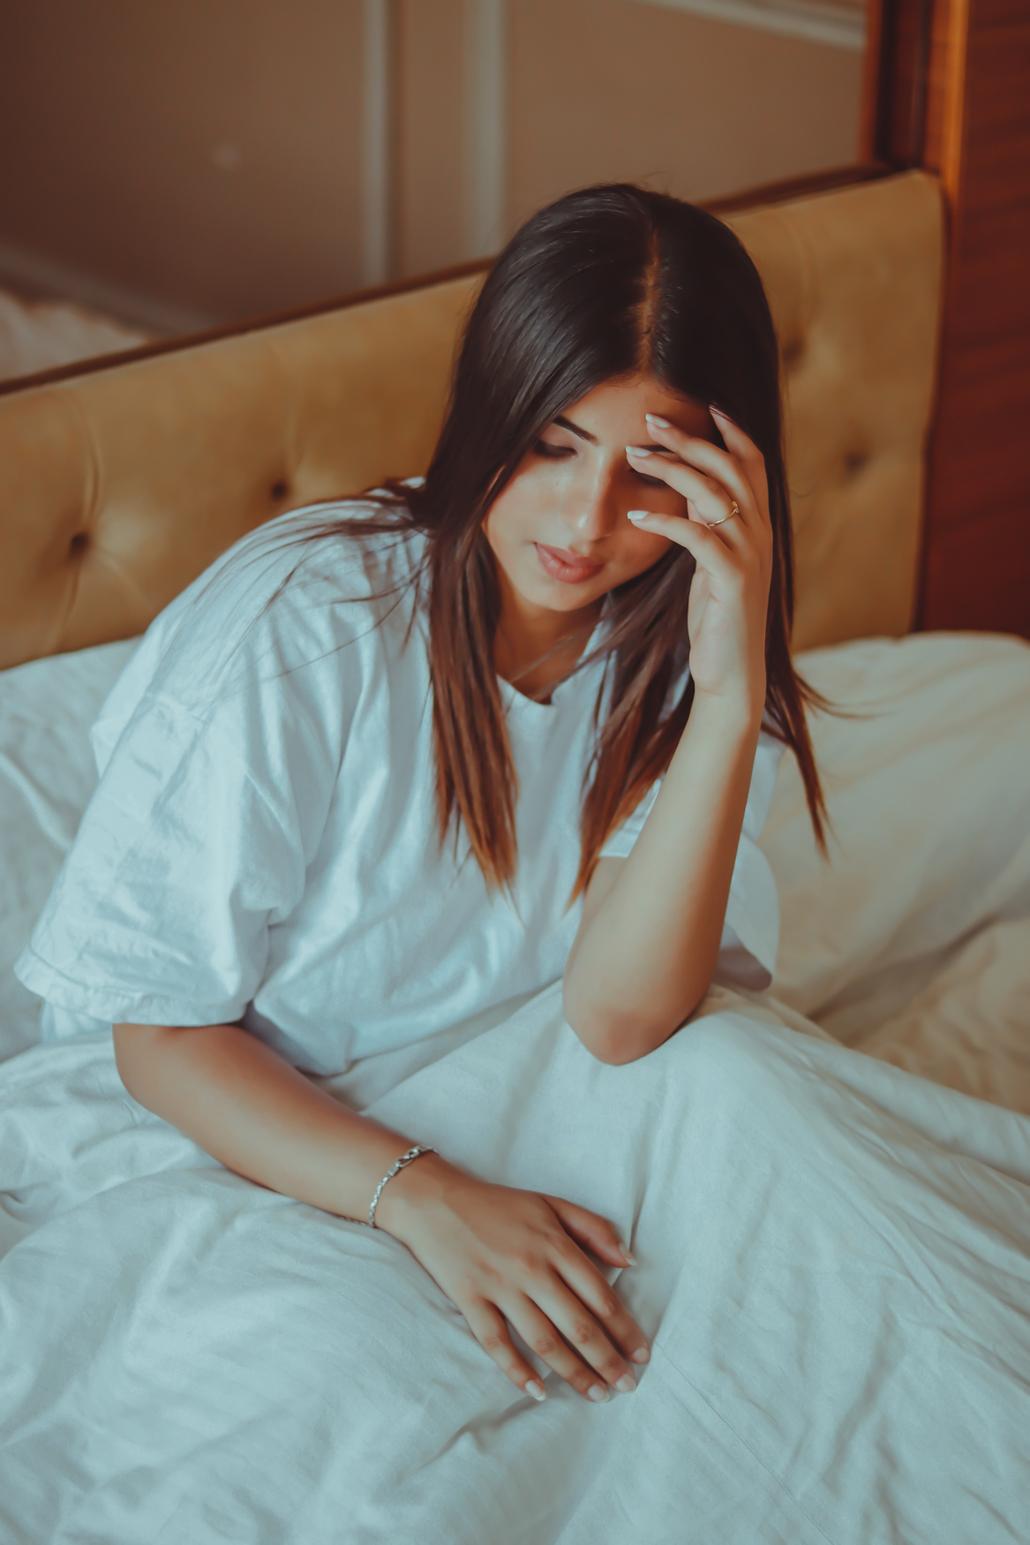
<point x="598" y="1392"/>
<point x="663" y="423"/>
<point x="641" y="1355"/>
<point x="627" y="1255"/>
<point x="627" y="1384"/>
<point x="637" y="515"/>
<point x="536" y="1389"/>
<point x="638" y="450"/>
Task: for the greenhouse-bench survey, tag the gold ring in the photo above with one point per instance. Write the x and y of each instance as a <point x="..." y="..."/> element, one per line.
<point x="734" y="511"/>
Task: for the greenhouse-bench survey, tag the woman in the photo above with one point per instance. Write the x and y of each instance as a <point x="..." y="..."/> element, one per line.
<point x="260" y="889"/>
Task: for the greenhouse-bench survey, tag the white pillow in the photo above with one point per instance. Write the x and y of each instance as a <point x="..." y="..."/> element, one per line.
<point x="930" y="800"/>
<point x="47" y="775"/>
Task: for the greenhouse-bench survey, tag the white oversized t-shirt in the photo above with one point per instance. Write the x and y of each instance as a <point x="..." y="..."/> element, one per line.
<point x="261" y="847"/>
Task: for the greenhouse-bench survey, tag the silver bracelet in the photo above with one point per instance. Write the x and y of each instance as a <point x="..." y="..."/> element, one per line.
<point x="397" y="1164"/>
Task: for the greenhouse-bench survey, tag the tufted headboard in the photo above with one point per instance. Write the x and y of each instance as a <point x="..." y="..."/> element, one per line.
<point x="123" y="481"/>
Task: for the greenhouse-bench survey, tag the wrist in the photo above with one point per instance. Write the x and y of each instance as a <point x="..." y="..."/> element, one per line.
<point x="413" y="1190"/>
<point x="739" y="711"/>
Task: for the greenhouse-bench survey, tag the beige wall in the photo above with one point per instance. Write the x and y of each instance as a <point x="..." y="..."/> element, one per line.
<point x="191" y="163"/>
<point x="695" y="106"/>
<point x="202" y="156"/>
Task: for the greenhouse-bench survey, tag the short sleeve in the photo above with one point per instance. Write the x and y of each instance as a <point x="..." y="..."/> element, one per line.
<point x="160" y="911"/>
<point x="213" y="791"/>
<point x="750" y="939"/>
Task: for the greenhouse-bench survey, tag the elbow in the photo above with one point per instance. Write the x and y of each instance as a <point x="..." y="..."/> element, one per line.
<point x="587" y="1026"/>
<point x="611" y="1041"/>
<point x="620" y="1043"/>
<point x="620" y="1040"/>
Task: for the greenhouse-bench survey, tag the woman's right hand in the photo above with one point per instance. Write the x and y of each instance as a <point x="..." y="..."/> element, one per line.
<point x="501" y="1255"/>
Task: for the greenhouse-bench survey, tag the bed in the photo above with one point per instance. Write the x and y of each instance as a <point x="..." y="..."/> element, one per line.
<point x="826" y="1184"/>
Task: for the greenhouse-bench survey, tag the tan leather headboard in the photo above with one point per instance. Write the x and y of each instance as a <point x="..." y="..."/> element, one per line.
<point x="121" y="484"/>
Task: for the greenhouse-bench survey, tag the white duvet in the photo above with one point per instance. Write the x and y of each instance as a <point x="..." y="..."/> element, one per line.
<point x="827" y="1187"/>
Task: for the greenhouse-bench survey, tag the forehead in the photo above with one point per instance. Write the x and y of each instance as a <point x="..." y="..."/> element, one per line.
<point x="614" y="411"/>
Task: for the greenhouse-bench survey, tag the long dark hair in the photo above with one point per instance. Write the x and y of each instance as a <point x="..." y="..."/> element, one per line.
<point x="611" y="280"/>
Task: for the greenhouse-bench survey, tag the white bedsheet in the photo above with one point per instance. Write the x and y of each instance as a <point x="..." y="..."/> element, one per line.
<point x="833" y="1245"/>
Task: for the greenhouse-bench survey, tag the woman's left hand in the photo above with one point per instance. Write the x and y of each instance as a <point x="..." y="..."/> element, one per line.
<point x="729" y="590"/>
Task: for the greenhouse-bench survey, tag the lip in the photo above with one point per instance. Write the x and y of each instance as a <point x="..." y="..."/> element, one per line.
<point x="561" y="566"/>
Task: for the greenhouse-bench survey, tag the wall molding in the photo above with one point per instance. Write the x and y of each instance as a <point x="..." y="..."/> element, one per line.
<point x="40" y="276"/>
<point x="378" y="171"/>
<point x="820" y="21"/>
<point x="484" y="142"/>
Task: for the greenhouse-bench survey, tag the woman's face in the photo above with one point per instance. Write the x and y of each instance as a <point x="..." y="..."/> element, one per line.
<point x="572" y="491"/>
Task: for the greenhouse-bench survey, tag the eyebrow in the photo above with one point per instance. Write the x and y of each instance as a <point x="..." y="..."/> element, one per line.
<point x="584" y="434"/>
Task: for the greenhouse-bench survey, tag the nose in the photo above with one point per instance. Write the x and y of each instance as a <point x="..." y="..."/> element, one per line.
<point x="597" y="510"/>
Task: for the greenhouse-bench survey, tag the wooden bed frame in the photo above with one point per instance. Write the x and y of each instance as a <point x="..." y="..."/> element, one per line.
<point x="898" y="288"/>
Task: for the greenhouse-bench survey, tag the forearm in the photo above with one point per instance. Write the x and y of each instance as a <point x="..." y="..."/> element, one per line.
<point x="260" y="1116"/>
<point x="645" y="960"/>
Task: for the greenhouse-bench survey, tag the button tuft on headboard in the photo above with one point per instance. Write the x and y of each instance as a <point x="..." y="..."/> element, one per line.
<point x="79" y="542"/>
<point x="279" y="488"/>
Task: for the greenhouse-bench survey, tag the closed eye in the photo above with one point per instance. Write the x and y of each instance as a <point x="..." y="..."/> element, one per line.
<point x="554" y="451"/>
